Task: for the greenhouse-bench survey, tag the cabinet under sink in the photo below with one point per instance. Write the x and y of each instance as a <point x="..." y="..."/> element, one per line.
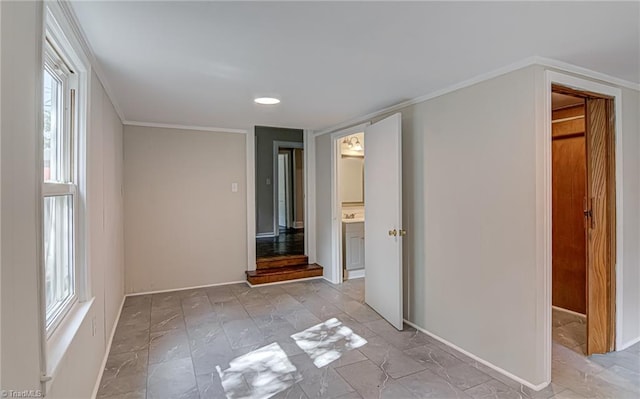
<point x="353" y="244"/>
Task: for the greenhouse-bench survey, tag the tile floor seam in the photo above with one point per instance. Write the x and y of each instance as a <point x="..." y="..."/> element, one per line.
<point x="149" y="358"/>
<point x="146" y="385"/>
<point x="186" y="330"/>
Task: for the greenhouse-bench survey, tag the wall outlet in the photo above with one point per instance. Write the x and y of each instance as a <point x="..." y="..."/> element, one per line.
<point x="234" y="187"/>
<point x="268" y="181"/>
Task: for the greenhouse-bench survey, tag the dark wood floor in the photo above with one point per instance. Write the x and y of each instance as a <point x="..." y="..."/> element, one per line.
<point x="289" y="242"/>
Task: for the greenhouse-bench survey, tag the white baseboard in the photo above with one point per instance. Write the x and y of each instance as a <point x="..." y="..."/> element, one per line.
<point x="480" y="360"/>
<point x="106" y="353"/>
<point x="571" y="312"/>
<point x="298" y="225"/>
<point x="351" y="274"/>
<point x="265" y="235"/>
<point x="184" y="288"/>
<point x="628" y="344"/>
<point x="327" y="280"/>
<point x="284" y="282"/>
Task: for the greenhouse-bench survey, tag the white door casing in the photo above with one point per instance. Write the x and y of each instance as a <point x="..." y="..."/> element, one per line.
<point x="383" y="210"/>
<point x="282" y="190"/>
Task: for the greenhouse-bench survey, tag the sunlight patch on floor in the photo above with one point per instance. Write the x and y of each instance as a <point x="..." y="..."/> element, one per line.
<point x="326" y="342"/>
<point x="259" y="374"/>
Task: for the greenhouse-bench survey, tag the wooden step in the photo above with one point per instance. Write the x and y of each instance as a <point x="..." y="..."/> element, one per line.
<point x="282" y="261"/>
<point x="284" y="273"/>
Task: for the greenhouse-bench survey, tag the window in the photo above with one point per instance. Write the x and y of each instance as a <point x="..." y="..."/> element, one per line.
<point x="60" y="187"/>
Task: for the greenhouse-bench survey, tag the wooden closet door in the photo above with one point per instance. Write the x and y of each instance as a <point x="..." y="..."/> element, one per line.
<point x="600" y="226"/>
<point x="569" y="240"/>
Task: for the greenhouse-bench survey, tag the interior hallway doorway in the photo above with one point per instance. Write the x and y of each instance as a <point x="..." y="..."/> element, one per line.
<point x="583" y="220"/>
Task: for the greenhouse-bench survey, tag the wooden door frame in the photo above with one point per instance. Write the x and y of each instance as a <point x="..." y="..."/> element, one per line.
<point x="544" y="191"/>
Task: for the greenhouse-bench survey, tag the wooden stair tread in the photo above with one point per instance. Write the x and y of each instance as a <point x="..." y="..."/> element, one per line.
<point x="286" y="273"/>
<point x="283" y="270"/>
<point x="281" y="261"/>
<point x="271" y="258"/>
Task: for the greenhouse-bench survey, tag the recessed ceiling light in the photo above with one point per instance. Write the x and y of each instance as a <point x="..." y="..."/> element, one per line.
<point x="266" y="100"/>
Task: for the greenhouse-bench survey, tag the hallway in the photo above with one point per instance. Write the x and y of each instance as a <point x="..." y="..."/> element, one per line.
<point x="289" y="242"/>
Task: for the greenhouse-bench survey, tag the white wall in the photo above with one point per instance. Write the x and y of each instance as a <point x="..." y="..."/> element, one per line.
<point x="184" y="226"/>
<point x="0" y="196"/>
<point x="324" y="225"/>
<point x="21" y="78"/>
<point x="469" y="205"/>
<point x="474" y="191"/>
<point x="20" y="36"/>
<point x="298" y="178"/>
<point x="107" y="190"/>
<point x="631" y="214"/>
<point x="78" y="370"/>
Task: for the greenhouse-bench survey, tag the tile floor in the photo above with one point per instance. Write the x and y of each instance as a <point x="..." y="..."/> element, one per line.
<point x="569" y="330"/>
<point x="614" y="375"/>
<point x="235" y="341"/>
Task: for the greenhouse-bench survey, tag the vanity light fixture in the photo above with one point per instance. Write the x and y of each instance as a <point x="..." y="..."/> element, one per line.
<point x="351" y="144"/>
<point x="266" y="100"/>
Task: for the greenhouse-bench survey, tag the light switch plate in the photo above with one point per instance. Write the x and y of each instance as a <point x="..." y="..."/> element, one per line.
<point x="234" y="187"/>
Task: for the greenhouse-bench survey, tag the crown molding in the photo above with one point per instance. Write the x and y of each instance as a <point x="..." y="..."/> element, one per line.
<point x="457" y="86"/>
<point x="68" y="12"/>
<point x="185" y="127"/>
<point x="72" y="19"/>
<point x="585" y="72"/>
<point x="534" y="60"/>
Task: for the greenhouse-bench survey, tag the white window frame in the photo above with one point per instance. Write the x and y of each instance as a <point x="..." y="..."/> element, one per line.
<point x="56" y="66"/>
<point x="60" y="31"/>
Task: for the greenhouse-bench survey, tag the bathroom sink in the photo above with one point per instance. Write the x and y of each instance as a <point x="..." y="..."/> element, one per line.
<point x="355" y="220"/>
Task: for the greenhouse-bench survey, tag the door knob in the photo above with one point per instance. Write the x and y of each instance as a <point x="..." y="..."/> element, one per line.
<point x="393" y="232"/>
<point x="403" y="232"/>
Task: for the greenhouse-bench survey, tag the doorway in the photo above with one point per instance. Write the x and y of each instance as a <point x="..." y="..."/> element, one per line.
<point x="287" y="236"/>
<point x="382" y="218"/>
<point x="349" y="165"/>
<point x="569" y="185"/>
<point x="284" y="190"/>
<point x="583" y="220"/>
<point x="281" y="217"/>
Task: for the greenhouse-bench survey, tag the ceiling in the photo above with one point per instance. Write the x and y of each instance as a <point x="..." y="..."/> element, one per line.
<point x="202" y="63"/>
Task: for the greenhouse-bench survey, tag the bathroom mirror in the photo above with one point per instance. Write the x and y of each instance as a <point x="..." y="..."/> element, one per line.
<point x="352" y="182"/>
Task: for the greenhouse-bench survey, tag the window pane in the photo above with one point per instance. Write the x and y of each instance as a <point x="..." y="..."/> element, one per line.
<point x="58" y="251"/>
<point x="53" y="141"/>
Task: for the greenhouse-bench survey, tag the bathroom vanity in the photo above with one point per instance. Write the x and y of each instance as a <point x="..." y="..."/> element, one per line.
<point x="353" y="243"/>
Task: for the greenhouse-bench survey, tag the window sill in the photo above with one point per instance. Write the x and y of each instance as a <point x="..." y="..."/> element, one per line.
<point x="61" y="339"/>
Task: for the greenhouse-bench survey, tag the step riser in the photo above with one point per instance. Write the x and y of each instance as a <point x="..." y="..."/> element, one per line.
<point x="255" y="280"/>
<point x="284" y="262"/>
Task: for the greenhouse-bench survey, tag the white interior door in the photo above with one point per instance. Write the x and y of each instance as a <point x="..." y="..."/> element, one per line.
<point x="383" y="219"/>
<point x="282" y="191"/>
